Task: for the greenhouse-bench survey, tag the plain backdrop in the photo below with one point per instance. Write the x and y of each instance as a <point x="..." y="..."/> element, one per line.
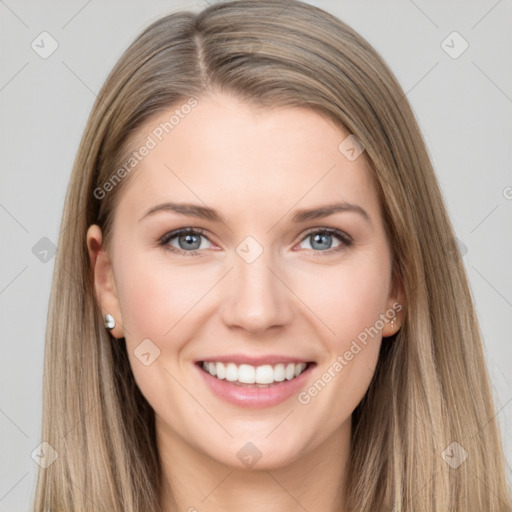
<point x="460" y="88"/>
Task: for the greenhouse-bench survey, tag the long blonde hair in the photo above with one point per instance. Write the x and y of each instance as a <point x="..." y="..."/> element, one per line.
<point x="431" y="386"/>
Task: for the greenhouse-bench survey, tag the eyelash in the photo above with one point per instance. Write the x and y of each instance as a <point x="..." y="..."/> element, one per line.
<point x="346" y="241"/>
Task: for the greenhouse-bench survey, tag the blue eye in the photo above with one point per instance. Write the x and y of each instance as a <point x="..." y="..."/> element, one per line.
<point x="321" y="239"/>
<point x="189" y="241"/>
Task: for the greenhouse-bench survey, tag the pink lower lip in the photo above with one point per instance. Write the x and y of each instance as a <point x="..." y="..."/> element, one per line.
<point x="255" y="397"/>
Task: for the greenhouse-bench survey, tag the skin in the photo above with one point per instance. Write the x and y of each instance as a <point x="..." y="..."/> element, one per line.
<point x="257" y="167"/>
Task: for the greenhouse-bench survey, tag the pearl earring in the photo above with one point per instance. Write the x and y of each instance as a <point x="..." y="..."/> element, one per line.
<point x="110" y="322"/>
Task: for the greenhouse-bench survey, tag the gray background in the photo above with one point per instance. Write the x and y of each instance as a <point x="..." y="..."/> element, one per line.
<point x="463" y="106"/>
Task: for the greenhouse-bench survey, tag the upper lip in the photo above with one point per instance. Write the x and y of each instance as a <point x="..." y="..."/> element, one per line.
<point x="239" y="359"/>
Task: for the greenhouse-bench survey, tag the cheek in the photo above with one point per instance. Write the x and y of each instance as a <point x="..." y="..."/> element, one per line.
<point x="158" y="299"/>
<point x="155" y="296"/>
<point x="351" y="304"/>
<point x="347" y="299"/>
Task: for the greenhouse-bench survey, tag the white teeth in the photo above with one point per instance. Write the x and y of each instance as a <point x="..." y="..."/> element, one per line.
<point x="231" y="372"/>
<point x="221" y="371"/>
<point x="265" y="374"/>
<point x="248" y="374"/>
<point x="279" y="373"/>
<point x="290" y="372"/>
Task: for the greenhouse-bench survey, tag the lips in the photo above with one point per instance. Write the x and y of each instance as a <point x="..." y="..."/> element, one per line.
<point x="255" y="382"/>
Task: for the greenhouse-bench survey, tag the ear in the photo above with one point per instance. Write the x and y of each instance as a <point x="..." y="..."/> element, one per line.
<point x="104" y="283"/>
<point x="395" y="304"/>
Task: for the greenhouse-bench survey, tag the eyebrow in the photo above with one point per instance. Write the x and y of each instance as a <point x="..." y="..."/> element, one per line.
<point x="207" y="213"/>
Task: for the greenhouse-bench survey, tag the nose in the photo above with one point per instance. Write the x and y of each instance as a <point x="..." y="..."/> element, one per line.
<point x="255" y="297"/>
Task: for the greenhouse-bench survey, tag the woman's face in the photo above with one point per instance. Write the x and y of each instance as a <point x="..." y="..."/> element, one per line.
<point x="258" y="284"/>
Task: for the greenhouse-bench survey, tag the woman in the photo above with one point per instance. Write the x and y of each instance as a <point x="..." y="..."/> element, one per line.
<point x="205" y="349"/>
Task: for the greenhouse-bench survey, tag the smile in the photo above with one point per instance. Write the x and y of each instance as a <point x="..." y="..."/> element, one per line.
<point x="247" y="385"/>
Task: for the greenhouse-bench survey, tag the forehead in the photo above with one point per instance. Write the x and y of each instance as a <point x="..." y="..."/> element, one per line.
<point x="229" y="154"/>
